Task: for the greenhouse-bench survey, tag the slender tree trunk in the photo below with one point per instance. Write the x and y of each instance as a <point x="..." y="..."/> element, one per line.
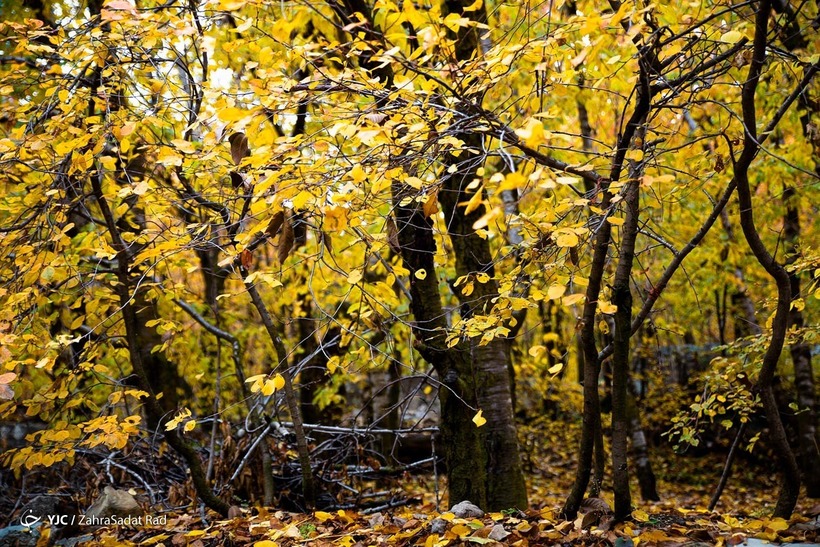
<point x="592" y="360"/>
<point x="274" y="330"/>
<point x="622" y="298"/>
<point x="790" y="484"/>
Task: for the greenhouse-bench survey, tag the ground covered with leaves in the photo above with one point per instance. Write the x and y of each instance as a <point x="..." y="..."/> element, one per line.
<point x="421" y="515"/>
<point x="663" y="523"/>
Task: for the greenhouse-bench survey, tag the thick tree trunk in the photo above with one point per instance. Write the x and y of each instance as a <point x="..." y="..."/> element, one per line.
<point x="478" y="371"/>
<point x="493" y="447"/>
<point x="162" y="373"/>
<point x="807" y="439"/>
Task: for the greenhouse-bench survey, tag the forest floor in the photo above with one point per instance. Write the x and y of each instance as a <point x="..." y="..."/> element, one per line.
<point x="681" y="518"/>
<point x="685" y="484"/>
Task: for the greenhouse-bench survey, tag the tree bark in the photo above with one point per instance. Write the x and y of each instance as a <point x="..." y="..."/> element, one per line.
<point x="790" y="483"/>
<point x="479" y="371"/>
<point x="622" y="298"/>
<point x="807" y="439"/>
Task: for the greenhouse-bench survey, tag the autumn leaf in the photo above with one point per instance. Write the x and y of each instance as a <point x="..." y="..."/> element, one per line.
<point x="640" y="516"/>
<point x="392" y="235"/>
<point x="239" y="147"/>
<point x="430" y="206"/>
<point x="6" y="392"/>
<point x="181" y="416"/>
<point x="478" y="419"/>
<point x="275" y="224"/>
<point x="286" y="240"/>
<point x="246" y="259"/>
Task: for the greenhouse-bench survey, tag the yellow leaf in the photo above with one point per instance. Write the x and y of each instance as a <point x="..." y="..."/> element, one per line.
<point x="475" y="6"/>
<point x="186" y="147"/>
<point x="173" y="423"/>
<point x="635" y="154"/>
<point x="335" y="219"/>
<point x="555" y="369"/>
<point x="512" y="181"/>
<point x="556" y="291"/>
<point x="572" y="299"/>
<point x="357" y="173"/>
<point x="567" y="239"/>
<point x="607" y="308"/>
<point x="300" y="200"/>
<point x="474" y="203"/>
<point x="478" y="419"/>
<point x="268" y="388"/>
<point x="354" y="277"/>
<point x="141" y="188"/>
<point x="731" y="37"/>
<point x="322" y="516"/>
<point x="421" y="274"/>
<point x="231" y="114"/>
<point x="278" y="381"/>
<point x="189" y="425"/>
<point x="640" y="516"/>
<point x="615" y="221"/>
<point x="532" y="133"/>
<point x="536" y="351"/>
<point x="414" y="182"/>
<point x="777" y="525"/>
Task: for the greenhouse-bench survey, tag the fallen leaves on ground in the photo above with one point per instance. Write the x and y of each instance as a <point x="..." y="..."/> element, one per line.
<point x="661" y="525"/>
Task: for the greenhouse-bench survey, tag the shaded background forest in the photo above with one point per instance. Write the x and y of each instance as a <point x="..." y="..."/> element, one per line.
<point x="315" y="246"/>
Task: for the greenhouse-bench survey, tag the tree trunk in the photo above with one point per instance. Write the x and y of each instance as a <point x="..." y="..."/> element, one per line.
<point x="790" y="483"/>
<point x="478" y="371"/>
<point x="807" y="439"/>
<point x="622" y="298"/>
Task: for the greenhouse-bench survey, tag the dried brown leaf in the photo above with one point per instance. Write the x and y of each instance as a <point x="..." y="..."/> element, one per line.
<point x="239" y="147"/>
<point x="246" y="258"/>
<point x="595" y="504"/>
<point x="430" y="206"/>
<point x="237" y="180"/>
<point x="275" y="223"/>
<point x="286" y="238"/>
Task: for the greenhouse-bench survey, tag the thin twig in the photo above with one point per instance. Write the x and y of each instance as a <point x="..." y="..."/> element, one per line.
<point x="727" y="467"/>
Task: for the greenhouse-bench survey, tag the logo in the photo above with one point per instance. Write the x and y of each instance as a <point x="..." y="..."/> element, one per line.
<point x="30" y="520"/>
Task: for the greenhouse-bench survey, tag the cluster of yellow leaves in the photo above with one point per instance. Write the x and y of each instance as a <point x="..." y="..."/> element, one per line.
<point x="262" y="383"/>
